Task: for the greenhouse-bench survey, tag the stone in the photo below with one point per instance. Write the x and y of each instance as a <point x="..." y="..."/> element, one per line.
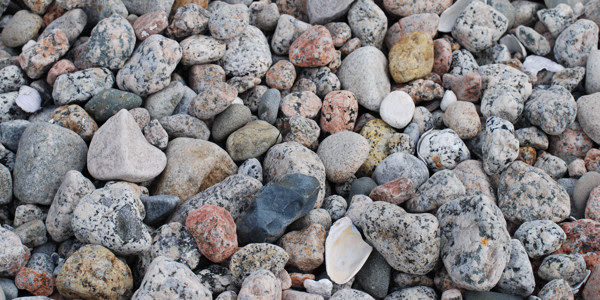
<point x="264" y="15"/>
<point x="140" y="7"/>
<point x="547" y="201"/>
<point x="38" y="58"/>
<point x="533" y="41"/>
<point x="364" y="73"/>
<point x="501" y="75"/>
<point x="583" y="187"/>
<point x="164" y="102"/>
<point x="6" y="185"/>
<point x="338" y="112"/>
<point x="532" y="137"/>
<point x="517" y="278"/>
<point x="580" y="240"/>
<point x="11" y="79"/>
<point x="233" y="118"/>
<point x="183" y="125"/>
<point x="107" y="103"/>
<point x="260" y="284"/>
<point x="213" y="229"/>
<point x="74" y="186"/>
<point x="556" y="289"/>
<point x="426" y="22"/>
<point x="201" y="49"/>
<point x="281" y="75"/>
<point x="305" y="104"/>
<point x="292" y="190"/>
<point x="368" y="23"/>
<point x="11" y="132"/>
<point x="592" y="72"/>
<point x="397" y="109"/>
<point x="570" y="267"/>
<point x="419" y="231"/>
<point x="188" y="20"/>
<point x="212" y="99"/>
<point x="339" y="166"/>
<point x="479" y="26"/>
<point x="111" y="43"/>
<point x="417" y="292"/>
<point x="254" y="257"/>
<point x="551" y="108"/>
<point x="442" y="149"/>
<point x="119" y="150"/>
<point x="585" y="35"/>
<point x="540" y="237"/>
<point x="321" y="12"/>
<point x="42" y="161"/>
<point x="14" y="254"/>
<point x="228" y="21"/>
<point x="150" y="23"/>
<point x="556" y="19"/>
<point x="442" y="187"/>
<point x="401" y="165"/>
<point x="306" y="247"/>
<point x="587" y="106"/>
<point x="149" y="68"/>
<point x="313" y="48"/>
<point x="569" y="78"/>
<point x="475" y="266"/>
<point x="252" y="140"/>
<point x="590" y="291"/>
<point x="10" y="290"/>
<point x="36" y="277"/>
<point x="288" y="29"/>
<point x="321" y="288"/>
<point x="21" y="28"/>
<point x="350" y="294"/>
<point x="335" y="206"/>
<point x="216" y="278"/>
<point x="32" y="233"/>
<point x="74" y="117"/>
<point x="247" y="54"/>
<point x="552" y="165"/>
<point x="474" y="179"/>
<point x="182" y="282"/>
<point x="411" y="57"/>
<point x="158" y="207"/>
<point x="80" y="86"/>
<point x="462" y="117"/>
<point x="120" y="213"/>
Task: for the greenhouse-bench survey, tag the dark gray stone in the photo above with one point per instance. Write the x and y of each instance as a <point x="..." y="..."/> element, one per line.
<point x="158" y="207"/>
<point x="583" y="187"/>
<point x="234" y="117"/>
<point x="281" y="202"/>
<point x="362" y="186"/>
<point x="374" y="277"/>
<point x="11" y="131"/>
<point x="109" y="102"/>
<point x="268" y="107"/>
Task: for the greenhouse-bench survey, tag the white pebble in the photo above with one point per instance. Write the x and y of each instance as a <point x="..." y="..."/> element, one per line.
<point x="29" y="99"/>
<point x="397" y="109"/>
<point x="449" y="98"/>
<point x="322" y="287"/>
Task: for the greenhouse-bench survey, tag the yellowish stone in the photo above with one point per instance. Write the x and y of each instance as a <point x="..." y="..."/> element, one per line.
<point x="411" y="57"/>
<point x="377" y="132"/>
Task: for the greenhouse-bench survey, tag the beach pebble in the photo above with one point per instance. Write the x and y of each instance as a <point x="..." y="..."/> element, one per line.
<point x="552" y="165"/>
<point x="214" y="230"/>
<point x="551" y="108"/>
<point x="254" y="257"/>
<point x="201" y="49"/>
<point x="587" y="107"/>
<point x="247" y="54"/>
<point x="150" y="23"/>
<point x="442" y="187"/>
<point x="296" y="244"/>
<point x="570" y="267"/>
<point x="338" y="112"/>
<point x="401" y="165"/>
<point x="342" y="154"/>
<point x="260" y="283"/>
<point x="188" y="20"/>
<point x="303" y="131"/>
<point x="182" y="281"/>
<point x="585" y="34"/>
<point x="14" y="255"/>
<point x="442" y="149"/>
<point x="462" y="117"/>
<point x="288" y="29"/>
<point x="252" y="140"/>
<point x="518" y="277"/>
<point x="228" y="21"/>
<point x="556" y="289"/>
<point x="368" y="23"/>
<point x="313" y="48"/>
<point x="11" y="79"/>
<point x="397" y="109"/>
<point x="281" y="75"/>
<point x="264" y="15"/>
<point x="417" y="292"/>
<point x="592" y="72"/>
<point x="556" y="18"/>
<point x="231" y="119"/>
<point x="411" y="57"/>
<point x="80" y="86"/>
<point x="569" y="78"/>
<point x="532" y="40"/>
<point x="540" y="237"/>
<point x="479" y="26"/>
<point x="38" y="58"/>
<point x="106" y="51"/>
<point x="21" y="28"/>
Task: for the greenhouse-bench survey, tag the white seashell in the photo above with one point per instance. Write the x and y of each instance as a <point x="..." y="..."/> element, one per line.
<point x="29" y="99"/>
<point x="534" y="64"/>
<point x="345" y="251"/>
<point x="513" y="44"/>
<point x="449" y="98"/>
<point x="449" y="16"/>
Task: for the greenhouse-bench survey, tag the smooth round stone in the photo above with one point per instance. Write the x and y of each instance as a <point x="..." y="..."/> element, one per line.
<point x="584" y="186"/>
<point x="340" y="33"/>
<point x="411" y="57"/>
<point x="295" y="243"/>
<point x="426" y="22"/>
<point x="188" y="20"/>
<point x="374" y="276"/>
<point x="264" y="15"/>
<point x="338" y="112"/>
<point x="551" y="108"/>
<point x="11" y="79"/>
<point x="397" y="109"/>
<point x="108" y="102"/>
<point x="62" y="66"/>
<point x="588" y="108"/>
<point x="443" y="149"/>
<point x="592" y="72"/>
<point x="323" y="11"/>
<point x="257" y="256"/>
<point x="304" y="131"/>
<point x="556" y="289"/>
<point x="475" y="259"/>
<point x="592" y="287"/>
<point x="540" y="237"/>
<point x="342" y="154"/>
<point x="21" y="28"/>
<point x="314" y="48"/>
<point x="368" y="23"/>
<point x="361" y="186"/>
<point x="247" y="54"/>
<point x="158" y="207"/>
<point x="288" y="29"/>
<point x="11" y="132"/>
<point x="462" y="117"/>
<point x="212" y="99"/>
<point x="252" y="140"/>
<point x="364" y="73"/>
<point x="14" y="255"/>
<point x="518" y="277"/>
<point x="281" y="75"/>
<point x="75" y="118"/>
<point x="401" y="165"/>
<point x="547" y="202"/>
<point x="150" y="23"/>
<point x="442" y="187"/>
<point x="305" y="104"/>
<point x="213" y="229"/>
<point x="80" y="86"/>
<point x="479" y="26"/>
<point x="570" y="267"/>
<point x="228" y="21"/>
<point x="573" y="46"/>
<point x="447" y="100"/>
<point x="201" y="49"/>
<point x="234" y="117"/>
<point x="111" y="43"/>
<point x="552" y="165"/>
<point x="38" y="57"/>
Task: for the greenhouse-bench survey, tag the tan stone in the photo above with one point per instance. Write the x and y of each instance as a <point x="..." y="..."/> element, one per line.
<point x="411" y="57"/>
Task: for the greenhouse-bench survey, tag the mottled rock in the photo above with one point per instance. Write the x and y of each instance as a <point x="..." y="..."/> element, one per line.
<point x="14" y="254"/>
<point x="574" y="44"/>
<point x="517" y="278"/>
<point x="257" y="256"/>
<point x="411" y="57"/>
<point x="38" y="58"/>
<point x="556" y="289"/>
<point x="401" y="165"/>
<point x="479" y="26"/>
<point x="260" y="284"/>
<point x="75" y="118"/>
<point x="107" y="103"/>
<point x="462" y="117"/>
<point x="82" y="85"/>
<point x="338" y="112"/>
<point x="442" y="149"/>
<point x="342" y="154"/>
<point x="213" y="229"/>
<point x="305" y="248"/>
<point x="313" y="48"/>
<point x="150" y="23"/>
<point x="21" y="28"/>
<point x="570" y="267"/>
<point x="247" y="54"/>
<point x="368" y="23"/>
<point x="442" y="187"/>
<point x="540" y="237"/>
<point x="182" y="282"/>
<point x="111" y="43"/>
<point x="551" y="108"/>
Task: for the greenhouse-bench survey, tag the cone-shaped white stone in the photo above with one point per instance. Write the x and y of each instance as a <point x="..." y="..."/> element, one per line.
<point x="119" y="151"/>
<point x="345" y="251"/>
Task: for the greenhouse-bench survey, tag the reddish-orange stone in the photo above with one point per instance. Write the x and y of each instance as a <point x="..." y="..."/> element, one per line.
<point x="305" y="104"/>
<point x="592" y="287"/>
<point x="339" y="112"/>
<point x="298" y="279"/>
<point x="281" y="75"/>
<point x="213" y="229"/>
<point x="62" y="66"/>
<point x="466" y="87"/>
<point x="314" y="48"/>
<point x="442" y="56"/>
<point x="583" y="237"/>
<point x="35" y="282"/>
<point x="395" y="192"/>
<point x="571" y="142"/>
<point x="150" y="23"/>
<point x="592" y="160"/>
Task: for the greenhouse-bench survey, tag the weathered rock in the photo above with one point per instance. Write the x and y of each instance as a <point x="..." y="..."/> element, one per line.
<point x="253" y="257"/>
<point x="14" y="254"/>
<point x="82" y="85"/>
<point x="213" y="229"/>
<point x="111" y="43"/>
<point x="517" y="278"/>
<point x="540" y="237"/>
<point x="342" y="154"/>
<point x="411" y="57"/>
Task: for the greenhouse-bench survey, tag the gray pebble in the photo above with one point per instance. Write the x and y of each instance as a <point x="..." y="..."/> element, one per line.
<point x="182" y="125"/>
<point x="234" y="117"/>
<point x="551" y="108"/>
<point x="201" y="49"/>
<point x="532" y="137"/>
<point x="533" y="41"/>
<point x="463" y="63"/>
<point x="442" y="149"/>
<point x="518" y="277"/>
<point x="368" y="23"/>
<point x="575" y="43"/>
<point x="479" y="26"/>
<point x="104" y="50"/>
<point x="188" y="20"/>
<point x="247" y="54"/>
<point x="21" y="28"/>
<point x="11" y="132"/>
<point x="443" y="186"/>
<point x="288" y="29"/>
<point x="401" y="165"/>
<point x="556" y="289"/>
<point x="570" y="267"/>
<point x="557" y="18"/>
<point x="540" y="237"/>
<point x="228" y="21"/>
<point x="80" y="86"/>
<point x="264" y="15"/>
<point x="268" y="107"/>
<point x="252" y="168"/>
<point x="11" y="79"/>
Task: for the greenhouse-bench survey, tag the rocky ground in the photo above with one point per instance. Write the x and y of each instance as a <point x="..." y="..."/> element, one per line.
<point x="299" y="149"/>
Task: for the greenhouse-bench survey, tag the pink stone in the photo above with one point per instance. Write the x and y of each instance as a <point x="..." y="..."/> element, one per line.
<point x="281" y="75"/>
<point x="150" y="23"/>
<point x="466" y="87"/>
<point x="427" y="23"/>
<point x="38" y="58"/>
<point x="214" y="230"/>
<point x="36" y="282"/>
<point x="297" y="295"/>
<point x="395" y="192"/>
<point x="351" y="45"/>
<point x="442" y="56"/>
<point x="305" y="104"/>
<point x="62" y="66"/>
<point x="14" y="254"/>
<point x="592" y="160"/>
<point x="571" y="142"/>
<point x="582" y="238"/>
<point x="592" y="208"/>
<point x="299" y="278"/>
<point x="306" y="247"/>
<point x="339" y="111"/>
<point x="285" y="279"/>
<point x="314" y="48"/>
<point x="591" y="291"/>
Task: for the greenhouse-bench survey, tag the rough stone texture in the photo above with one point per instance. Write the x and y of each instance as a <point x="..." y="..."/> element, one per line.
<point x="401" y="165"/>
<point x="140" y="7"/>
<point x="6" y="185"/>
<point x="500" y="146"/>
<point x="252" y="140"/>
<point x="119" y="150"/>
<point x="183" y="125"/>
<point x="150" y="23"/>
<point x="588" y="108"/>
<point x="556" y="289"/>
<point x="442" y="149"/>
<point x="479" y="26"/>
<point x="111" y="43"/>
<point x="540" y="237"/>
<point x="14" y="254"/>
<point x="364" y="73"/>
<point x="339" y="112"/>
<point x="107" y="103"/>
<point x="188" y="20"/>
<point x="415" y="246"/>
<point x="193" y="166"/>
<point x="517" y="278"/>
<point x="247" y="54"/>
<point x="570" y="267"/>
<point x="166" y="278"/>
<point x="39" y="57"/>
<point x="592" y="72"/>
<point x="172" y="241"/>
<point x="306" y="247"/>
<point x="11" y="79"/>
<point x="462" y="117"/>
<point x="581" y="238"/>
<point x="213" y="229"/>
<point x="551" y="108"/>
<point x="475" y="244"/>
<point x="324" y="11"/>
<point x="502" y="75"/>
<point x="417" y="292"/>
<point x="112" y="217"/>
<point x="261" y="284"/>
<point x="42" y="161"/>
<point x="22" y="27"/>
<point x="313" y="48"/>
<point x="526" y="193"/>
<point x="396" y="191"/>
<point x="411" y="57"/>
<point x="149" y="69"/>
<point x="350" y="294"/>
<point x="228" y="21"/>
<point x="93" y="271"/>
<point x="574" y="44"/>
<point x="257" y="256"/>
<point x="80" y="86"/>
<point x="368" y="23"/>
<point x="442" y="187"/>
<point x="201" y="49"/>
<point x="342" y="154"/>
<point x="552" y="165"/>
<point x="74" y="117"/>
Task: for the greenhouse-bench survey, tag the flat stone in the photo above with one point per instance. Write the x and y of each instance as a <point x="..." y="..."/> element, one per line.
<point x="397" y="109"/>
<point x="21" y="28"/>
<point x="80" y="86"/>
<point x="183" y="125"/>
<point x="252" y="140"/>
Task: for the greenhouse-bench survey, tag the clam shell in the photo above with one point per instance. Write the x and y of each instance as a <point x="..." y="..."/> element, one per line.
<point x="345" y="251"/>
<point x="534" y="64"/>
<point x="449" y="16"/>
<point x="29" y="99"/>
<point x="513" y="44"/>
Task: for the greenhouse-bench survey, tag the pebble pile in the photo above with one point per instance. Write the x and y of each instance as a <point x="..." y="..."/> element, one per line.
<point x="300" y="149"/>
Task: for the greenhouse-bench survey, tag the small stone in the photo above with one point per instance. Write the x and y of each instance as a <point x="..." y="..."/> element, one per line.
<point x="149" y="69"/>
<point x="39" y="57"/>
<point x="288" y="29"/>
<point x="11" y="132"/>
<point x="32" y="233"/>
<point x="417" y="292"/>
<point x="466" y="87"/>
<point x="252" y="140"/>
<point x="426" y="22"/>
<point x="78" y="276"/>
<point x="212" y="99"/>
<point x="590" y="291"/>
<point x="532" y="137"/>
<point x="573" y="142"/>
<point x="401" y="165"/>
<point x="397" y="109"/>
<point x="474" y="179"/>
<point x="306" y="248"/>
<point x="62" y="66"/>
<point x="475" y="259"/>
<point x="442" y="187"/>
<point x="182" y="282"/>
<point x="443" y="149"/>
<point x="540" y="237"/>
<point x="533" y="41"/>
<point x="479" y="26"/>
<point x="233" y="118"/>
<point x="500" y="147"/>
<point x="260" y="284"/>
<point x="593" y="204"/>
<point x="213" y="229"/>
<point x="463" y="63"/>
<point x="313" y="48"/>
<point x="106" y="103"/>
<point x="411" y="57"/>
<point x="247" y="54"/>
<point x="158" y="207"/>
<point x="111" y="43"/>
<point x="80" y="86"/>
<point x="216" y="278"/>
<point x="517" y="278"/>
<point x="462" y="117"/>
<point x="552" y="165"/>
<point x="303" y="131"/>
<point x="254" y="257"/>
<point x="75" y="118"/>
<point x="442" y="56"/>
<point x="119" y="150"/>
<point x="281" y="75"/>
<point x="576" y="168"/>
<point x="580" y="239"/>
<point x="569" y="78"/>
<point x="183" y="125"/>
<point x="570" y="267"/>
<point x="305" y="104"/>
<point x="315" y="216"/>
<point x="556" y="289"/>
<point x="201" y="49"/>
<point x="14" y="255"/>
<point x="587" y="107"/>
<point x="11" y="79"/>
<point x="340" y="33"/>
<point x="140" y="7"/>
<point x="324" y="79"/>
<point x="36" y="277"/>
<point x="396" y="191"/>
<point x="321" y="12"/>
<point x="551" y="108"/>
<point x="264" y="15"/>
<point x="156" y="135"/>
<point x="188" y="20"/>
<point x="336" y="206"/>
<point x="592" y="72"/>
<point x="150" y="23"/>
<point x="368" y="23"/>
<point x="6" y="185"/>
<point x="339" y="166"/>
<point x="574" y="44"/>
<point x="21" y="28"/>
<point x="228" y="21"/>
<point x="374" y="277"/>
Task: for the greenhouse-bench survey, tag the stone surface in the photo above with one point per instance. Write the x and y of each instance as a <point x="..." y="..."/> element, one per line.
<point x="107" y="103"/>
<point x="570" y="267"/>
<point x="551" y="108"/>
<point x="411" y="57"/>
<point x="39" y="57"/>
<point x="321" y="11"/>
<point x="257" y="256"/>
<point x="166" y="278"/>
<point x="228" y="21"/>
<point x="313" y="48"/>
<point x="462" y="117"/>
<point x="556" y="289"/>
<point x="479" y="26"/>
<point x="247" y="54"/>
<point x="342" y="154"/>
<point x="442" y="187"/>
<point x="338" y="112"/>
<point x="252" y="140"/>
<point x="201" y="49"/>
<point x="540" y="237"/>
<point x="22" y="27"/>
<point x="588" y="106"/>
<point x="397" y="109"/>
<point x="14" y="254"/>
<point x="213" y="229"/>
<point x="580" y="239"/>
<point x="80" y="86"/>
<point x="442" y="149"/>
<point x="306" y="247"/>
<point x="111" y="43"/>
<point x="150" y="23"/>
<point x="574" y="44"/>
<point x="74" y="117"/>
<point x="368" y="23"/>
<point x="401" y="165"/>
<point x="517" y="278"/>
<point x="261" y="284"/>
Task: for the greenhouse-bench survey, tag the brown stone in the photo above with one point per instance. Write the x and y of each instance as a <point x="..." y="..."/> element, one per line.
<point x="592" y="160"/>
<point x="74" y="117"/>
<point x="213" y="229"/>
<point x="281" y="75"/>
<point x="442" y="56"/>
<point x="527" y="155"/>
<point x="411" y="57"/>
<point x="396" y="191"/>
<point x="298" y="279"/>
<point x="591" y="291"/>
<point x="466" y="87"/>
<point x="62" y="66"/>
<point x="306" y="247"/>
<point x="150" y="23"/>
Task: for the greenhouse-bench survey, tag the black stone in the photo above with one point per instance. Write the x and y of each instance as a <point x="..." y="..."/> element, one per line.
<point x="158" y="207"/>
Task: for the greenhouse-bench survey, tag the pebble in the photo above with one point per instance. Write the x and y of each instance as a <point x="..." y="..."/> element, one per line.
<point x="38" y="58"/>
<point x="573" y="142"/>
<point x="570" y="267"/>
<point x="547" y="202"/>
<point x="462" y="117"/>
<point x="11" y="79"/>
<point x="260" y="284"/>
<point x="479" y="26"/>
<point x="306" y="247"/>
<point x="106" y="51"/>
<point x="552" y="165"/>
<point x="78" y="276"/>
<point x="442" y="187"/>
<point x="149" y="69"/>
<point x="11" y="132"/>
<point x="212" y="99"/>
<point x="254" y="257"/>
<point x="303" y="131"/>
<point x="305" y="104"/>
<point x="182" y="282"/>
<point x="540" y="237"/>
<point x="551" y="108"/>
<point x="363" y="72"/>
<point x="576" y="168"/>
<point x="335" y="206"/>
<point x="556" y="289"/>
<point x="214" y="230"/>
<point x="518" y="277"/>
<point x="368" y="23"/>
<point x="288" y="29"/>
<point x="264" y="15"/>
<point x="342" y="154"/>
<point x="74" y="117"/>
<point x="158" y="207"/>
<point x="532" y="137"/>
<point x="80" y="86"/>
<point x="338" y="112"/>
<point x="401" y="165"/>
<point x="21" y="28"/>
<point x="556" y="19"/>
<point x="106" y="103"/>
<point x="183" y="125"/>
<point x="156" y="135"/>
<point x="14" y="255"/>
<point x="591" y="288"/>
<point x="62" y="66"/>
<point x="474" y="266"/>
<point x="584" y="186"/>
<point x="350" y="294"/>
<point x="281" y="75"/>
<point x="374" y="276"/>
<point x="228" y="21"/>
<point x="119" y="150"/>
<point x="6" y="185"/>
<point x="247" y="54"/>
<point x="500" y="147"/>
<point x="417" y="292"/>
<point x="587" y="106"/>
<point x="231" y="119"/>
<point x="193" y="165"/>
<point x="396" y="191"/>
<point x="340" y="33"/>
<point x="313" y="48"/>
<point x="442" y="149"/>
<point x="318" y="216"/>
<point x="592" y="72"/>
<point x="252" y="140"/>
<point x="411" y="57"/>
<point x="397" y="109"/>
<point x="426" y="22"/>
<point x="585" y="35"/>
<point x="216" y="278"/>
<point x="533" y="41"/>
<point x="580" y="240"/>
<point x="150" y="23"/>
<point x="188" y="20"/>
<point x="201" y="49"/>
<point x="569" y="78"/>
<point x="32" y="233"/>
<point x="36" y="277"/>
